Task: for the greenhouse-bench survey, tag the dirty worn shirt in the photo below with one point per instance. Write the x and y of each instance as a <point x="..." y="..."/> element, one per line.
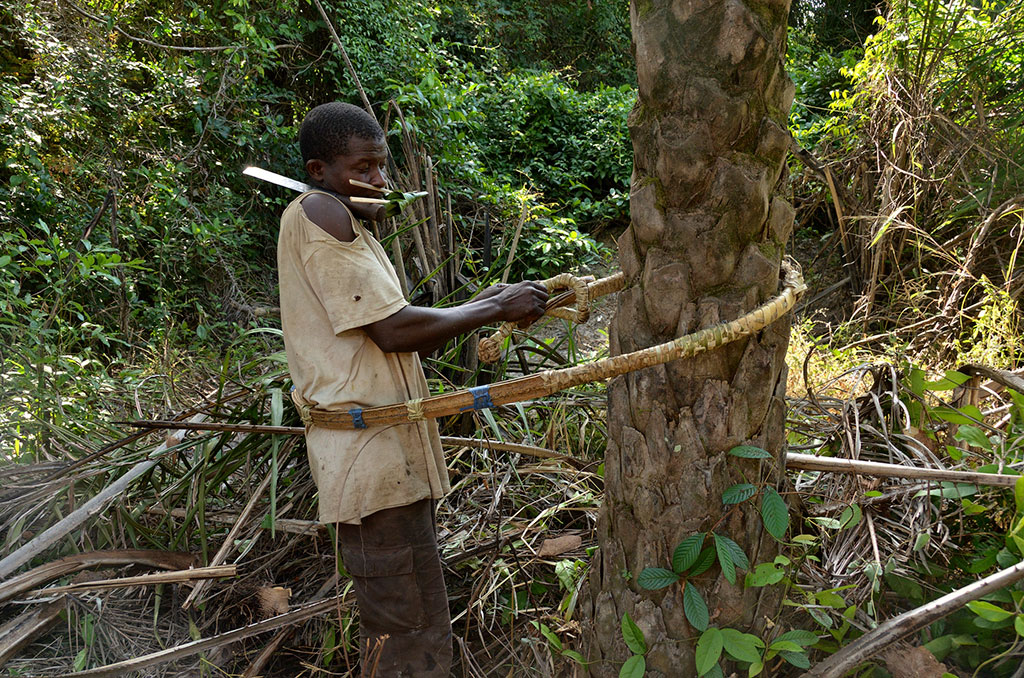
<point x="329" y="291"/>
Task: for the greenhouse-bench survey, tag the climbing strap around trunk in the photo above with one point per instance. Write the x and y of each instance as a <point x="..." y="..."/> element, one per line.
<point x="551" y="381"/>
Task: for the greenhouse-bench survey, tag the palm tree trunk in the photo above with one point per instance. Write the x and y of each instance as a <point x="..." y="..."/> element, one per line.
<point x="705" y="244"/>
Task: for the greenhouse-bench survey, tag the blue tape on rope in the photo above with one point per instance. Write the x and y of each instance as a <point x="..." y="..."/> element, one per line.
<point x="481" y="397"/>
<point x="357" y="417"/>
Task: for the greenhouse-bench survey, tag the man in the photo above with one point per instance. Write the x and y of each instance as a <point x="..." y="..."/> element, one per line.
<point x="353" y="341"/>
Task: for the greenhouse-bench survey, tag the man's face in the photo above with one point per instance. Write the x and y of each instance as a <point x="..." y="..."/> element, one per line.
<point x="365" y="162"/>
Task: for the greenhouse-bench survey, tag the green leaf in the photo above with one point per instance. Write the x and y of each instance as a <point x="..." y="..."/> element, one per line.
<point x="950" y="381"/>
<point x="705" y="560"/>
<point x="800" y="637"/>
<point x="725" y="560"/>
<point x="654" y="578"/>
<point x="966" y="415"/>
<point x="972" y="435"/>
<point x="1018" y="625"/>
<point x="81" y="659"/>
<point x="574" y="655"/>
<point x="829" y="598"/>
<point x="765" y="574"/>
<point x="971" y="509"/>
<point x="709" y="650"/>
<point x="686" y="553"/>
<point x="734" y="549"/>
<point x="797" y="659"/>
<point x="750" y="452"/>
<point x="1018" y="494"/>
<point x="826" y="522"/>
<point x="774" y="513"/>
<point x="850" y="517"/>
<point x="780" y="645"/>
<point x="948" y="490"/>
<point x="988" y="611"/>
<point x="738" y="493"/>
<point x="633" y="636"/>
<point x="715" y="672"/>
<point x="742" y="646"/>
<point x="634" y="667"/>
<point x="694" y="607"/>
<point x="551" y="636"/>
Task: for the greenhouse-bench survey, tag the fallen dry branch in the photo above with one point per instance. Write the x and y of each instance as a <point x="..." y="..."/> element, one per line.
<point x="892" y="630"/>
<point x="286" y="525"/>
<point x="810" y="462"/>
<point x="175" y="577"/>
<point x="76" y="519"/>
<point x="203" y="644"/>
<point x="1002" y="377"/>
<point x="27" y="626"/>
<point x="59" y="568"/>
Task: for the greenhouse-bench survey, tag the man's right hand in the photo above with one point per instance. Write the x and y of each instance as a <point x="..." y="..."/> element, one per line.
<point x="522" y="302"/>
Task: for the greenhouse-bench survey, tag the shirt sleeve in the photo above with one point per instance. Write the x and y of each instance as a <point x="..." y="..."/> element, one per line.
<point x="352" y="285"/>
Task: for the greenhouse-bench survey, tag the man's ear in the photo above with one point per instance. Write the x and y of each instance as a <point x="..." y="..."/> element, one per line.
<point x="315" y="169"/>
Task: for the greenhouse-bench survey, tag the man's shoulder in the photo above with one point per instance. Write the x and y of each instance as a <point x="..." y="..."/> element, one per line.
<point x="329" y="214"/>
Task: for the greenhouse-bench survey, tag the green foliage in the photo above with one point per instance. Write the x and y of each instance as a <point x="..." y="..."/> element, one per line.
<point x="636" y="665"/>
<point x="588" y="41"/>
<point x="130" y="232"/>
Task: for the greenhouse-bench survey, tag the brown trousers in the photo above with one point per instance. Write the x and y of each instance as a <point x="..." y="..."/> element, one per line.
<point x="405" y="629"/>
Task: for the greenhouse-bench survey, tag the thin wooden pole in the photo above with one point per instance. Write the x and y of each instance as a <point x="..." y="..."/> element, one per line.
<point x="809" y="462"/>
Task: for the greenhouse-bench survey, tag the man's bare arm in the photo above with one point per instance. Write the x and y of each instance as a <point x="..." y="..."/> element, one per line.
<point x="423" y="330"/>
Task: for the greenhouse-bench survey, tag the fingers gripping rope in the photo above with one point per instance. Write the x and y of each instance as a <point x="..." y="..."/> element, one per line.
<point x="489" y="350"/>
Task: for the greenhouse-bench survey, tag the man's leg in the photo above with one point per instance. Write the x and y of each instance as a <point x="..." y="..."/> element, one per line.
<point x="405" y="629"/>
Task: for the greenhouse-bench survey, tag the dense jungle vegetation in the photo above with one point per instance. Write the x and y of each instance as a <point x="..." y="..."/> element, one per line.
<point x="137" y="281"/>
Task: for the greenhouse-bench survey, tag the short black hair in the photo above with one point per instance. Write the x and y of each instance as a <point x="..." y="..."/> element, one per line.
<point x="325" y="132"/>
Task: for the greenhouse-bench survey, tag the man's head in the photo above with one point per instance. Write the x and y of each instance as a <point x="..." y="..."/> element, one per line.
<point x="340" y="142"/>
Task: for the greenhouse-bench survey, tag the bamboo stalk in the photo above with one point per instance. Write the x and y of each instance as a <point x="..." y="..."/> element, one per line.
<point x="175" y="576"/>
<point x="76" y="518"/>
<point x="430" y="225"/>
<point x="810" y="462"/>
<point x="515" y="243"/>
<point x="530" y="450"/>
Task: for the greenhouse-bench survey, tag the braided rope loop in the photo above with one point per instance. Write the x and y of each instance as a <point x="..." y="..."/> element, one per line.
<point x="489" y="349"/>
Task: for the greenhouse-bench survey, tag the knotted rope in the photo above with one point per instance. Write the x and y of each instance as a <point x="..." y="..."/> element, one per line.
<point x="581" y="291"/>
<point x="552" y="381"/>
<point x="489" y="349"/>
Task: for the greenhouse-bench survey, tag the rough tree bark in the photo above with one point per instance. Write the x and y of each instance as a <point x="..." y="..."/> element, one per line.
<point x="705" y="244"/>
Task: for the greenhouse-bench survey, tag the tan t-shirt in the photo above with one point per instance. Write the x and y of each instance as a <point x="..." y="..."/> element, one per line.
<point x="329" y="291"/>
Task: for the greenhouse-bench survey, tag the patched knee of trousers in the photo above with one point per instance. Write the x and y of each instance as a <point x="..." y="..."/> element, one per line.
<point x="388" y="594"/>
